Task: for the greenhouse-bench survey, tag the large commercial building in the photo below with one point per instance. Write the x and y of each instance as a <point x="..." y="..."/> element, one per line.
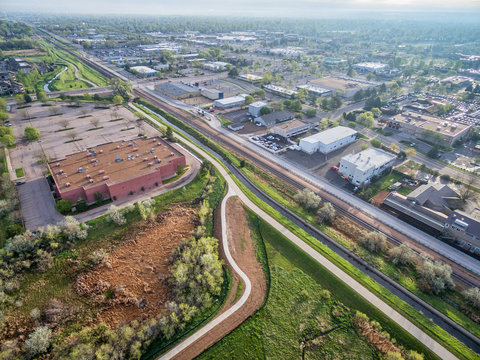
<point x="115" y="170"/>
<point x="212" y="94"/>
<point x="230" y="102"/>
<point x="215" y="66"/>
<point x="144" y="71"/>
<point x="465" y="229"/>
<point x="251" y="78"/>
<point x="177" y="90"/>
<point x="344" y="86"/>
<point x="430" y="128"/>
<point x="328" y="140"/>
<point x="360" y="168"/>
<point x="372" y="67"/>
<point x="255" y="107"/>
<point x="280" y="91"/>
<point x="315" y="90"/>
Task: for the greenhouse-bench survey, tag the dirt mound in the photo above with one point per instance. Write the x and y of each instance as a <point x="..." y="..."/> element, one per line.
<point x="131" y="284"/>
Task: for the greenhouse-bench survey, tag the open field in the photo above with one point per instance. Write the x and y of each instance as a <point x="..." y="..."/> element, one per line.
<point x="305" y="315"/>
<point x="24" y="52"/>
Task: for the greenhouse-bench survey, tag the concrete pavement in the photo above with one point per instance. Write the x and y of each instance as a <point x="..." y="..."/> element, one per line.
<point x="406" y="324"/>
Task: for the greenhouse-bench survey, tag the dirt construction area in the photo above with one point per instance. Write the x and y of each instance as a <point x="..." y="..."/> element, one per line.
<point x="242" y="248"/>
<point x="131" y="284"/>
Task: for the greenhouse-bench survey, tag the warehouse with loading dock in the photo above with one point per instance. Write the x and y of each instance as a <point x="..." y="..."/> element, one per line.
<point x="115" y="170"/>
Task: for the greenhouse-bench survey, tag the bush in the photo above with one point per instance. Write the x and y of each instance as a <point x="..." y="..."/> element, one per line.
<point x="445" y="177"/>
<point x="402" y="255"/>
<point x="64" y="206"/>
<point x="73" y="229"/>
<point x="308" y="199"/>
<point x="326" y="214"/>
<point x="376" y="143"/>
<point x="265" y="110"/>
<point x="31" y="133"/>
<point x="115" y="215"/>
<point x="310" y="113"/>
<point x="472" y="296"/>
<point x="14" y="229"/>
<point x="98" y="257"/>
<point x="81" y="205"/>
<point x="38" y="341"/>
<point x="373" y="241"/>
<point x="435" y="276"/>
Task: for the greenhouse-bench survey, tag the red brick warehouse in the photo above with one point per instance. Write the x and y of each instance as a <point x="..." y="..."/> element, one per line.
<point x="115" y="170"/>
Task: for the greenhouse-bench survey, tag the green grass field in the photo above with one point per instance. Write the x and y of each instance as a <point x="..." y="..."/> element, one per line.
<point x="19" y="172"/>
<point x="305" y="304"/>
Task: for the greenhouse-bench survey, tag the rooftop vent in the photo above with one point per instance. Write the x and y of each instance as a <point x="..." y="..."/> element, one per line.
<point x="61" y="171"/>
<point x="100" y="151"/>
<point x="93" y="160"/>
<point x="88" y="176"/>
<point x="79" y="170"/>
<point x="145" y="158"/>
<point x="172" y="154"/>
<point x="117" y="158"/>
<point x="106" y="177"/>
<point x="150" y="163"/>
<point x="58" y="164"/>
<point x="118" y="146"/>
<point x="101" y="171"/>
<point x="67" y="184"/>
<point x="152" y="150"/>
<point x="135" y="149"/>
<point x="90" y="181"/>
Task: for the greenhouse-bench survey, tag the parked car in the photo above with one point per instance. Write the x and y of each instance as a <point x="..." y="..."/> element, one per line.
<point x="334" y="168"/>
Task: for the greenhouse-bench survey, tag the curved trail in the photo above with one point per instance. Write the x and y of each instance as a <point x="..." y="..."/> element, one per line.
<point x="237" y="306"/>
<point x="46" y="87"/>
<point x="394" y="315"/>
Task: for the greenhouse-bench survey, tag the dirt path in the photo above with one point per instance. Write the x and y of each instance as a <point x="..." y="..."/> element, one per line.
<point x="242" y="248"/>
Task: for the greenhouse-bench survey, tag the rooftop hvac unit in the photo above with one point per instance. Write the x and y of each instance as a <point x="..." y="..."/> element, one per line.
<point x="118" y="146"/>
<point x="145" y="158"/>
<point x="93" y="160"/>
<point x="117" y="158"/>
<point x="172" y="154"/>
<point x="79" y="170"/>
<point x="159" y="144"/>
<point x="100" y="151"/>
<point x="67" y="184"/>
<point x="89" y="154"/>
<point x="138" y="155"/>
<point x="106" y="177"/>
<point x="439" y="128"/>
<point x="88" y="176"/>
<point x="58" y="164"/>
<point x="150" y="163"/>
<point x="90" y="181"/>
<point x="155" y="157"/>
<point x="101" y="171"/>
<point x="135" y="149"/>
<point x="61" y="171"/>
<point x="152" y="150"/>
<point x="130" y="144"/>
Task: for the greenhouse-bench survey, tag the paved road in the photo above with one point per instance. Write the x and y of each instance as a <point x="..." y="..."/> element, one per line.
<point x="237" y="306"/>
<point x="355" y="285"/>
<point x="37" y="204"/>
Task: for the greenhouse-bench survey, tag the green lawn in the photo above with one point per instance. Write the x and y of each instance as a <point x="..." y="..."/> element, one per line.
<point x="19" y="172"/>
<point x="305" y="302"/>
<point x="379" y="185"/>
<point x="404" y="190"/>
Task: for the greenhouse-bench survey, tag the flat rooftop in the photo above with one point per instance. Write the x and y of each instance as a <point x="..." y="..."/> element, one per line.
<point x="112" y="163"/>
<point x="365" y="159"/>
<point x="291" y="125"/>
<point x="230" y="100"/>
<point x="341" y="84"/>
<point x="176" y="88"/>
<point x="330" y="136"/>
<point x="432" y="123"/>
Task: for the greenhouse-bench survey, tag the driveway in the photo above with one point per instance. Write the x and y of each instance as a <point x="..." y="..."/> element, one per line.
<point x="37" y="204"/>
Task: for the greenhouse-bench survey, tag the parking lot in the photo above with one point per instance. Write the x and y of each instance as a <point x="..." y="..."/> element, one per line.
<point x="271" y="142"/>
<point x="320" y="164"/>
<point x="73" y="130"/>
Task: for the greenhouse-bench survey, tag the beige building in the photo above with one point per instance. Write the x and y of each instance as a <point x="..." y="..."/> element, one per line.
<point x="290" y="128"/>
<point x="425" y="127"/>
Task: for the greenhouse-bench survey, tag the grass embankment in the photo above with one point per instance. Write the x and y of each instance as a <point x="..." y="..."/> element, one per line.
<point x="4" y="221"/>
<point x="306" y="303"/>
<point x="451" y="343"/>
<point x="19" y="172"/>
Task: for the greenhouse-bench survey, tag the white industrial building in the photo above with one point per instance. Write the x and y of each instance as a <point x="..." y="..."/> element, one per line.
<point x="328" y="140"/>
<point x="280" y="91"/>
<point x="212" y="94"/>
<point x="360" y="168"/>
<point x="215" y="66"/>
<point x="255" y="107"/>
<point x="372" y="67"/>
<point x="144" y="70"/>
<point x="230" y="102"/>
<point x="254" y="79"/>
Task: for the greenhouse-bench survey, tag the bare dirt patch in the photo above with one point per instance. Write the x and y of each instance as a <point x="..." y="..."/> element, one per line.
<point x="131" y="284"/>
<point x="242" y="248"/>
<point x="24" y="52"/>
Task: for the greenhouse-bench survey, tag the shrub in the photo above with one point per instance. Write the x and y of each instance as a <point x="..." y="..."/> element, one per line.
<point x="146" y="208"/>
<point x="14" y="229"/>
<point x="308" y="199"/>
<point x="310" y="113"/>
<point x="81" y="204"/>
<point x="64" y="206"/>
<point x="445" y="177"/>
<point x="98" y="196"/>
<point x="402" y="255"/>
<point x="38" y="341"/>
<point x="98" y="257"/>
<point x="472" y="296"/>
<point x="435" y="276"/>
<point x="376" y="143"/>
<point x="35" y="314"/>
<point x="373" y="241"/>
<point x="413" y="355"/>
<point x="326" y="214"/>
<point x="73" y="229"/>
<point x="115" y="215"/>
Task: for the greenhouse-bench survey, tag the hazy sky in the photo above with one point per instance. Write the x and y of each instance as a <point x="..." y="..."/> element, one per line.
<point x="239" y="7"/>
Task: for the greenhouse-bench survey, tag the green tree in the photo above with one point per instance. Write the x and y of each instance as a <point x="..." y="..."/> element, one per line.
<point x="248" y="99"/>
<point x="376" y="112"/>
<point x="8" y="140"/>
<point x="3" y="104"/>
<point x="81" y="204"/>
<point x="27" y="98"/>
<point x="120" y="87"/>
<point x="169" y="134"/>
<point x="63" y="206"/>
<point x="19" y="99"/>
<point x="41" y="96"/>
<point x="376" y="143"/>
<point x="366" y="119"/>
<point x="311" y="113"/>
<point x="265" y="110"/>
<point x="117" y="100"/>
<point x="31" y="133"/>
